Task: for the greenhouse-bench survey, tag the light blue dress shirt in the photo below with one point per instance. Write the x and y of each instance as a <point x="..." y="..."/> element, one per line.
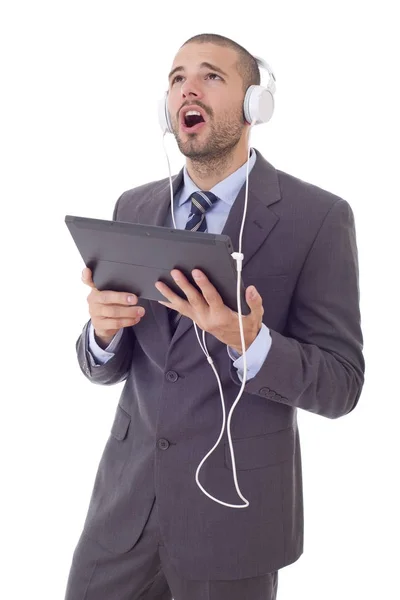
<point x="227" y="191"/>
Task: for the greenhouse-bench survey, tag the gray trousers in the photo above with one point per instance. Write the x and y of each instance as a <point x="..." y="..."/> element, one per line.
<point x="145" y="573"/>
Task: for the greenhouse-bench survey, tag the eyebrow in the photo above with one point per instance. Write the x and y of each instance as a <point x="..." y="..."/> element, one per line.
<point x="204" y="65"/>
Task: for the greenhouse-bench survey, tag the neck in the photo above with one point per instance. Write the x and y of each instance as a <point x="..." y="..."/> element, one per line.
<point x="206" y="172"/>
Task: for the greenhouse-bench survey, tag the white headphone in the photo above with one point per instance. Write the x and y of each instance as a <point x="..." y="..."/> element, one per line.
<point x="258" y="104"/>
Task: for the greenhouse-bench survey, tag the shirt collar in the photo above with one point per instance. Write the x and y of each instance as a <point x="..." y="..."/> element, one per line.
<point x="226" y="190"/>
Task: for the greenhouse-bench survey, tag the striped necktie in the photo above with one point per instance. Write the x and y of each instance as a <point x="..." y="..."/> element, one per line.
<point x="201" y="202"/>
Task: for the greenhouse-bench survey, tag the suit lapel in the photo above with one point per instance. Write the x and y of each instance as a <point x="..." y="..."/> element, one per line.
<point x="154" y="211"/>
<point x="260" y="220"/>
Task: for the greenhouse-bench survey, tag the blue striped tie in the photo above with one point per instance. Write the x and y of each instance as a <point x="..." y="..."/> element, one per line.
<point x="201" y="202"/>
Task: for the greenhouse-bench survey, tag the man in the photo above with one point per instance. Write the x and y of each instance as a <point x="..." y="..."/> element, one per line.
<point x="150" y="532"/>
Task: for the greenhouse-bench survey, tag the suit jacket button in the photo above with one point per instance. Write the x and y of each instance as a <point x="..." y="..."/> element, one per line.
<point x="163" y="444"/>
<point x="172" y="376"/>
<point x="265" y="391"/>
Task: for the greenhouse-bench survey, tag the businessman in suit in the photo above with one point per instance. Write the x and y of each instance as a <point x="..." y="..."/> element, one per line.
<point x="150" y="532"/>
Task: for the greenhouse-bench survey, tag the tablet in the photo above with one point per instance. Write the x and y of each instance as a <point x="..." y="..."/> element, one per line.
<point x="131" y="257"/>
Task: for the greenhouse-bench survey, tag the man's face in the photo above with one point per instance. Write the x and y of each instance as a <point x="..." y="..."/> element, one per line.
<point x="204" y="78"/>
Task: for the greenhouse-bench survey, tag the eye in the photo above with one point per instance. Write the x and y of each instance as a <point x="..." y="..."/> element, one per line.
<point x="213" y="75"/>
<point x="180" y="77"/>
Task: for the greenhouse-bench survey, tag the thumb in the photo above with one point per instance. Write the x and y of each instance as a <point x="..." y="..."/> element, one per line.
<point x="253" y="299"/>
<point x="87" y="277"/>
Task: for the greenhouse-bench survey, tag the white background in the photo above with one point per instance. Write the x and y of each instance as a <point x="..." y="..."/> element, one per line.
<point x="80" y="83"/>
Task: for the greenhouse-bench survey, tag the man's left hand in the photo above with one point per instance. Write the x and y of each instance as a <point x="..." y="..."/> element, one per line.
<point x="209" y="312"/>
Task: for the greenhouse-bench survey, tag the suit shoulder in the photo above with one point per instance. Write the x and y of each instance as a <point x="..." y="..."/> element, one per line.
<point x="302" y="200"/>
<point x="143" y="190"/>
<point x="306" y="194"/>
<point x="139" y="195"/>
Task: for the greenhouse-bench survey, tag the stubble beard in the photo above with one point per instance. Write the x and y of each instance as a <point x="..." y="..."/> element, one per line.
<point x="213" y="153"/>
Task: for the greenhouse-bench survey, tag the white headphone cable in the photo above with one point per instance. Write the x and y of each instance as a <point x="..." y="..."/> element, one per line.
<point x="238" y="256"/>
<point x="170" y="181"/>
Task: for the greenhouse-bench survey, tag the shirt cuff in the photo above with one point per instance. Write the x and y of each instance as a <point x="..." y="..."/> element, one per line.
<point x="100" y="356"/>
<point x="255" y="354"/>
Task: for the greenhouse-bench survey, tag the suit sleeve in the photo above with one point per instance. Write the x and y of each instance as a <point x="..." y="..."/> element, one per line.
<point x="97" y="355"/>
<point x="117" y="367"/>
<point x="318" y="364"/>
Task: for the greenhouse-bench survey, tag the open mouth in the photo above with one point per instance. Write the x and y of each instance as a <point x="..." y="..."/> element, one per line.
<point x="192" y="120"/>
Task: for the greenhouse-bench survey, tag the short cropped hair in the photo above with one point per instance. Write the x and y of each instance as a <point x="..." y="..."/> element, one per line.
<point x="246" y="65"/>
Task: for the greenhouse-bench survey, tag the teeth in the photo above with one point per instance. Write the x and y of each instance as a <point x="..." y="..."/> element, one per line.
<point x="192" y="112"/>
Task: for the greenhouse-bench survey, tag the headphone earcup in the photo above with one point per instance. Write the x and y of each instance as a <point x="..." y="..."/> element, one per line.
<point x="163" y="115"/>
<point x="258" y="104"/>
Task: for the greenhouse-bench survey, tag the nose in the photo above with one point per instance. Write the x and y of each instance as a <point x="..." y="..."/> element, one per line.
<point x="189" y="89"/>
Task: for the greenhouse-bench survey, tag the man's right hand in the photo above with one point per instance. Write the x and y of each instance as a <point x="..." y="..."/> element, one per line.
<point x="110" y="311"/>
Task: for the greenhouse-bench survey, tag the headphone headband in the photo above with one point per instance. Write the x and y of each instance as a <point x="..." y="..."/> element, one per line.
<point x="272" y="79"/>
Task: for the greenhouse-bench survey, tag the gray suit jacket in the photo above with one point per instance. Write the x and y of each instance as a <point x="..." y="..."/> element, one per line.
<point x="300" y="251"/>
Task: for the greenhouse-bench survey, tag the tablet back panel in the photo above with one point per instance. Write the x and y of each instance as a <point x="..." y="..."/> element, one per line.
<point x="130" y="257"/>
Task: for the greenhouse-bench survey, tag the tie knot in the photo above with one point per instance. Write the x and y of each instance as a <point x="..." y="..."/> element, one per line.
<point x="202" y="201"/>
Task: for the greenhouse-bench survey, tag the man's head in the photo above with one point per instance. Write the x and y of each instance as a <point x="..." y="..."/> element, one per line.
<point x="210" y="74"/>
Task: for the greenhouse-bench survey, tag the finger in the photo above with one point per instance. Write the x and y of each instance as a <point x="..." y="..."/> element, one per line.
<point x="87" y="277"/>
<point x="167" y="292"/>
<point x="110" y="297"/>
<point x="119" y="312"/>
<point x="115" y="324"/>
<point x="210" y="293"/>
<point x="194" y="297"/>
<point x="168" y="305"/>
<point x="175" y="301"/>
<point x="254" y="300"/>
